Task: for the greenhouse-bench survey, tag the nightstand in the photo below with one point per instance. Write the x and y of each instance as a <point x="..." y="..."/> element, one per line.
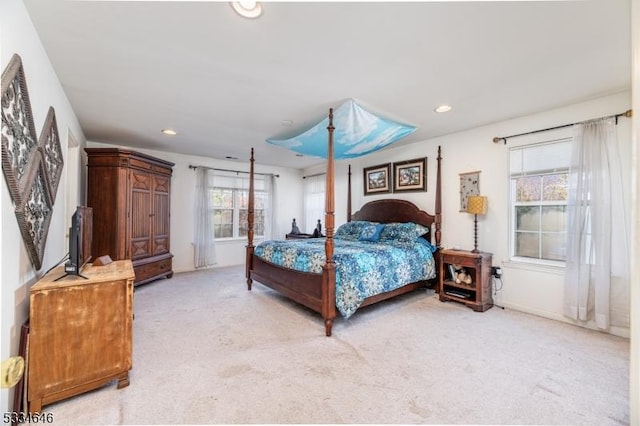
<point x="477" y="294"/>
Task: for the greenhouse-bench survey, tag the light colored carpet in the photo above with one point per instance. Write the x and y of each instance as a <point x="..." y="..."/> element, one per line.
<point x="208" y="351"/>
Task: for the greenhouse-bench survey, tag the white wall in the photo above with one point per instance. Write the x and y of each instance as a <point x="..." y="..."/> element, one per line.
<point x="634" y="395"/>
<point x="19" y="36"/>
<point x="183" y="183"/>
<point x="527" y="288"/>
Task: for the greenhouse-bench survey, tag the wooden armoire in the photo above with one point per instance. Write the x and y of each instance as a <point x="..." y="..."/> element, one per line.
<point x="130" y="196"/>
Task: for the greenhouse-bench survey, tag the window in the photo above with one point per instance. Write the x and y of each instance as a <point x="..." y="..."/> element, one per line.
<point x="539" y="191"/>
<point x="314" y="201"/>
<point x="230" y="201"/>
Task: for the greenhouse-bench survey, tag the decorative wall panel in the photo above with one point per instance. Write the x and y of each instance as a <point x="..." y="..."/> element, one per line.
<point x="34" y="213"/>
<point x="49" y="146"/>
<point x="469" y="185"/>
<point x="32" y="167"/>
<point x="19" y="143"/>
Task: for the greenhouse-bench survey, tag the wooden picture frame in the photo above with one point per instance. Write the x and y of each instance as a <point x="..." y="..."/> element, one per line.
<point x="377" y="179"/>
<point x="469" y="185"/>
<point x="410" y="175"/>
<point x="19" y="139"/>
<point x="49" y="146"/>
<point x="34" y="213"/>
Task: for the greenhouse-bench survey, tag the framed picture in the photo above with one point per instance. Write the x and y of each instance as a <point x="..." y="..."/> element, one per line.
<point x="34" y="213"/>
<point x="410" y="175"/>
<point x="377" y="179"/>
<point x="49" y="146"/>
<point x="469" y="185"/>
<point x="19" y="139"/>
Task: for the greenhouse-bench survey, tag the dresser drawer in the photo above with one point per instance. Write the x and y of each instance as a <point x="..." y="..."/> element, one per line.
<point x="151" y="270"/>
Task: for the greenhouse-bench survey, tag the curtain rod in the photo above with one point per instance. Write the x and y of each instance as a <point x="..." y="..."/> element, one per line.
<point x="627" y="113"/>
<point x="191" y="166"/>
<point x="317" y="174"/>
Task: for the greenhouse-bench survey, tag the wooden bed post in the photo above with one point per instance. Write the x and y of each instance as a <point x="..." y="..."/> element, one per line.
<point x="329" y="269"/>
<point x="349" y="195"/>
<point x="438" y="206"/>
<point x="250" y="218"/>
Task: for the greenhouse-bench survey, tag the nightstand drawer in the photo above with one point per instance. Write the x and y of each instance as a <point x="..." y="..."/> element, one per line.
<point x="460" y="260"/>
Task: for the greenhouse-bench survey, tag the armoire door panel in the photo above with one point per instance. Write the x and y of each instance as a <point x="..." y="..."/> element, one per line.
<point x="161" y="245"/>
<point x="160" y="217"/>
<point x="140" y="180"/>
<point x="140" y="249"/>
<point x="162" y="184"/>
<point x="140" y="214"/>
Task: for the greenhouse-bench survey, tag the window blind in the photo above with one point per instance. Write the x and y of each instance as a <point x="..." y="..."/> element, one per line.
<point x="541" y="158"/>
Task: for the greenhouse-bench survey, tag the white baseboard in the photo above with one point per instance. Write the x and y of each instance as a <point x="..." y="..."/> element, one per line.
<point x="614" y="330"/>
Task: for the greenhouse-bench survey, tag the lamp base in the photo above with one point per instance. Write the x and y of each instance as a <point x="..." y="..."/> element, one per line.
<point x="475" y="234"/>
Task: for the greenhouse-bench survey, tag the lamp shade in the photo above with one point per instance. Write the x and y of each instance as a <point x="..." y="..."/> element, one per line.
<point x="477" y="204"/>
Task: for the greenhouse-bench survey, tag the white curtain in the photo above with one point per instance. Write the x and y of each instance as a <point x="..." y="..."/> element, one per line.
<point x="269" y="216"/>
<point x="314" y="202"/>
<point x="204" y="239"/>
<point x="597" y="267"/>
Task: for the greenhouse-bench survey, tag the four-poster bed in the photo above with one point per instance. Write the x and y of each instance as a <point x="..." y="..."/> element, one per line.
<point x="317" y="290"/>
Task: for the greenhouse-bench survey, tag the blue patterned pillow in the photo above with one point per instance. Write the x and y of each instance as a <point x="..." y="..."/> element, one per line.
<point x="352" y="230"/>
<point x="426" y="242"/>
<point x="402" y="232"/>
<point x="371" y="232"/>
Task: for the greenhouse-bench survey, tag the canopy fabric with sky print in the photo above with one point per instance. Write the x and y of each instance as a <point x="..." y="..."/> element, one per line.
<point x="357" y="132"/>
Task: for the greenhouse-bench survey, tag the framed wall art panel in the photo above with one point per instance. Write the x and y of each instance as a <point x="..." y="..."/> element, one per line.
<point x="469" y="185"/>
<point x="410" y="175"/>
<point x="49" y="146"/>
<point x="377" y="179"/>
<point x="34" y="213"/>
<point x="19" y="139"/>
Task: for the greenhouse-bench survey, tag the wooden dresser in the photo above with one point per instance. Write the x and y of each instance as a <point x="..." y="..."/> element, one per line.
<point x="130" y="196"/>
<point x="79" y="332"/>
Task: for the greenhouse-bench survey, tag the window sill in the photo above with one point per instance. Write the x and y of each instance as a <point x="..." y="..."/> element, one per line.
<point x="547" y="266"/>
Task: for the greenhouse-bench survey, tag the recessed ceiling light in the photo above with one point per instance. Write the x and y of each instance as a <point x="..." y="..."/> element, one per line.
<point x="247" y="9"/>
<point x="443" y="108"/>
<point x="169" y="132"/>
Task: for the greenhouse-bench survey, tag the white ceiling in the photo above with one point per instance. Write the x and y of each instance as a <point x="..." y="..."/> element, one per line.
<point x="226" y="83"/>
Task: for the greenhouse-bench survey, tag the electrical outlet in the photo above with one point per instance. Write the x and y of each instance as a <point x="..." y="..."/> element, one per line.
<point x="496" y="271"/>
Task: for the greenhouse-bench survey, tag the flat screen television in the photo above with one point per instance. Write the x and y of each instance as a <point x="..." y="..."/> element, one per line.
<point x="80" y="234"/>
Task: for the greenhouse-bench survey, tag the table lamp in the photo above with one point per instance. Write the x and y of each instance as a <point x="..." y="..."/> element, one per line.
<point x="476" y="204"/>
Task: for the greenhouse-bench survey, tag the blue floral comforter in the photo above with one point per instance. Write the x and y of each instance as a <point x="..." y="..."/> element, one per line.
<point x="363" y="268"/>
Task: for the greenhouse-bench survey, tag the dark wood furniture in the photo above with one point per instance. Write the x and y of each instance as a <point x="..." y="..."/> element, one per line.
<point x="79" y="332"/>
<point x="476" y="295"/>
<point x="317" y="291"/>
<point x="295" y="233"/>
<point x="130" y="196"/>
<point x="299" y="236"/>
